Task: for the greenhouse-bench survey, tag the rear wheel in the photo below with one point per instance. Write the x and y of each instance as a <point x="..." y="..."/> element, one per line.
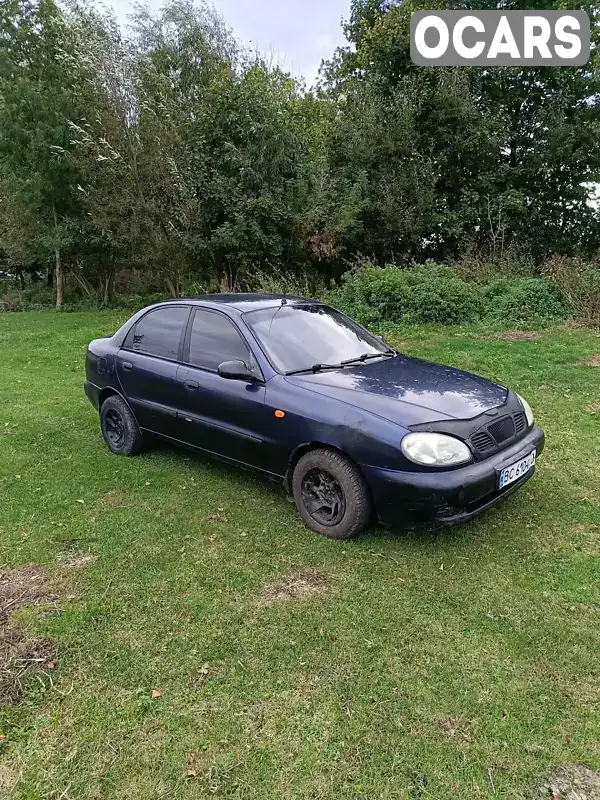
<point x="331" y="495"/>
<point x="119" y="428"/>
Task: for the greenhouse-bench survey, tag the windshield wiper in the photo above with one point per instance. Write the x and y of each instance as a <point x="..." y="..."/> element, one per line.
<point x="363" y="357"/>
<point x="367" y="356"/>
<point x="314" y="368"/>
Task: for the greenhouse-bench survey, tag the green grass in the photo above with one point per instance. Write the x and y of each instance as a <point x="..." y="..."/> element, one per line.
<point x="457" y="664"/>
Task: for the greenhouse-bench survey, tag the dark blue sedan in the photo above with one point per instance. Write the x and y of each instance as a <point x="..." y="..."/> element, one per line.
<point x="302" y="393"/>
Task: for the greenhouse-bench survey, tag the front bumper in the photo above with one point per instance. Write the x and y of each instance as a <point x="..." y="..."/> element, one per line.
<point x="448" y="497"/>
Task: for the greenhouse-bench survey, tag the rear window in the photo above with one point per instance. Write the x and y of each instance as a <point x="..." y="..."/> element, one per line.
<point x="159" y="332"/>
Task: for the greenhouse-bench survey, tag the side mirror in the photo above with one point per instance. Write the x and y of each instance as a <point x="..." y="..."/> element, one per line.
<point x="236" y="371"/>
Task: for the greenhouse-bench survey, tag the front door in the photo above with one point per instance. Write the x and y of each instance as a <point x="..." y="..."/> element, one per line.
<point x="222" y="416"/>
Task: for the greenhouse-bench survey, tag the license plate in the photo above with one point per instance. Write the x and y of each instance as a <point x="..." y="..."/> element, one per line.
<point x="515" y="471"/>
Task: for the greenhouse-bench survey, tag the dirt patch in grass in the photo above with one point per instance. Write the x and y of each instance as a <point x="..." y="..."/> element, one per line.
<point x="298" y="586"/>
<point x="518" y="336"/>
<point x="570" y="782"/>
<point x="209" y="672"/>
<point x="76" y="560"/>
<point x="586" y="538"/>
<point x="457" y="727"/>
<point x="23" y="587"/>
<point x="593" y="408"/>
<point x="114" y="499"/>
<point x="588" y="530"/>
<point x="19" y="653"/>
<point x="594" y="361"/>
<point x="9" y="775"/>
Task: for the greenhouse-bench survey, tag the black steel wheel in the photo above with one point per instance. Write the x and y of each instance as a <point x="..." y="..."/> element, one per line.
<point x="331" y="495"/>
<point x="119" y="427"/>
<point x="115" y="428"/>
<point x="323" y="497"/>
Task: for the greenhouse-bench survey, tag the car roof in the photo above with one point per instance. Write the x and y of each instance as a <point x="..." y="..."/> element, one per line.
<point x="244" y="302"/>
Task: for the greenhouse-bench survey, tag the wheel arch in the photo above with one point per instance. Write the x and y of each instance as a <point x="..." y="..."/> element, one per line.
<point x="308" y="447"/>
<point x="109" y="391"/>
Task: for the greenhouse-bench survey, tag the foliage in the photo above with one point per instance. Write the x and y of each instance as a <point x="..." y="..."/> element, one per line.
<point x="43" y="85"/>
<point x="300" y="284"/>
<point x="429" y="293"/>
<point x="171" y="153"/>
<point x="383" y="297"/>
<point x="579" y="282"/>
<point x="392" y="295"/>
<point x="523" y="299"/>
<point x="32" y="298"/>
<point x="458" y="158"/>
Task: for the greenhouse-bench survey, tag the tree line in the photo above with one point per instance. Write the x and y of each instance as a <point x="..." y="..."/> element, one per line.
<point x="168" y="151"/>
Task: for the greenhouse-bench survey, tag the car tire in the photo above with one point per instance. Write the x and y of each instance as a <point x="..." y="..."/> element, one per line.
<point x="331" y="494"/>
<point x="119" y="428"/>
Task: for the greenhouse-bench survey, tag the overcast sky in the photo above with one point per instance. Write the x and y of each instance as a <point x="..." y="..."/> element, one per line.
<point x="298" y="34"/>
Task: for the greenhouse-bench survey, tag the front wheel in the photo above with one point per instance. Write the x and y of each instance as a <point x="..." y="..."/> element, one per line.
<point x="119" y="427"/>
<point x="331" y="495"/>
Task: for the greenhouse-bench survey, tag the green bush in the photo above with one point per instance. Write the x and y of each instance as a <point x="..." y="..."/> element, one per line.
<point x="34" y="297"/>
<point x="524" y="299"/>
<point x="383" y="297"/>
<point x="299" y="283"/>
<point x="393" y="295"/>
<point x="579" y="283"/>
<point x="37" y="297"/>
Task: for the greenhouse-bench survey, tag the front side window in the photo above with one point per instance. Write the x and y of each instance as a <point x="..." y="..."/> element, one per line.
<point x="158" y="333"/>
<point x="298" y="337"/>
<point x="215" y="339"/>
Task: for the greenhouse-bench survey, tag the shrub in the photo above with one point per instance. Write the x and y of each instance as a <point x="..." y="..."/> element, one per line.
<point x="474" y="266"/>
<point x="392" y="295"/>
<point x="34" y="297"/>
<point x="524" y="299"/>
<point x="579" y="283"/>
<point x="301" y="283"/>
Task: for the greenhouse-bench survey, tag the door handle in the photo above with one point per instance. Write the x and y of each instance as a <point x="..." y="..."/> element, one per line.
<point x="127" y="366"/>
<point x="191" y="386"/>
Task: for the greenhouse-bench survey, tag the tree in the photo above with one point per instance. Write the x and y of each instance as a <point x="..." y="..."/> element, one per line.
<point x="42" y="89"/>
<point x="172" y="153"/>
<point x="199" y="148"/>
<point x="467" y="157"/>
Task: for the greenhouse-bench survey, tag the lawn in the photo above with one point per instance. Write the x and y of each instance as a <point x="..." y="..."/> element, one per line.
<point x="208" y="644"/>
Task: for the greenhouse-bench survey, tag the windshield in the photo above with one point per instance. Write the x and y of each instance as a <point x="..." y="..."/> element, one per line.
<point x="300" y="337"/>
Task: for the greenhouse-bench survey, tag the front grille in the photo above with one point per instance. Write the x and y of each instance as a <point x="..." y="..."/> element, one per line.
<point x="483" y="441"/>
<point x="492" y="438"/>
<point x="503" y="429"/>
<point x="520" y="422"/>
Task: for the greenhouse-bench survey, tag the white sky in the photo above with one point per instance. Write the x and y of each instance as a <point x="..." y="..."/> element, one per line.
<point x="296" y="34"/>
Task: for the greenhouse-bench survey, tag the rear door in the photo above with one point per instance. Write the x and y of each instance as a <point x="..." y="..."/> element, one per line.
<point x="222" y="416"/>
<point x="147" y="367"/>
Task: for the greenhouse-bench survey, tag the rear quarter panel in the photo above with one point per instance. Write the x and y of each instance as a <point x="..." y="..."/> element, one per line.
<point x="100" y="364"/>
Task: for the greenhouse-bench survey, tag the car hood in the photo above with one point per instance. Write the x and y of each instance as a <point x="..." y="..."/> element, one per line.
<point x="407" y="390"/>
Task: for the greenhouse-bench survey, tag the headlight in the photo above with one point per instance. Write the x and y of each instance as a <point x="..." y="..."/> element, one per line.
<point x="527" y="409"/>
<point x="435" y="449"/>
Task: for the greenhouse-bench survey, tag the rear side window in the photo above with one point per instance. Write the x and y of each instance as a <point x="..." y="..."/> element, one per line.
<point x="158" y="333"/>
<point x="214" y="339"/>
